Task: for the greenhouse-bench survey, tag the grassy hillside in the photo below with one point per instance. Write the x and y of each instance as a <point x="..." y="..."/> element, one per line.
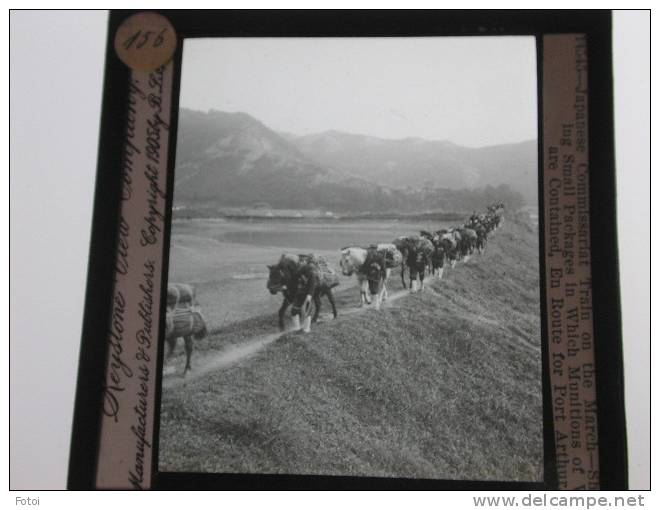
<point x="440" y="384"/>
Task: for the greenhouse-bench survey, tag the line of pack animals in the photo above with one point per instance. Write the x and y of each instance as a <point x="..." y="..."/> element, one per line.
<point x="304" y="278"/>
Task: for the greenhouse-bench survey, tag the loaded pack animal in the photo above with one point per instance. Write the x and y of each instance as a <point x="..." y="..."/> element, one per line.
<point x="417" y="253"/>
<point x="468" y="242"/>
<point x="375" y="271"/>
<point x="183" y="318"/>
<point x="368" y="264"/>
<point x="494" y="213"/>
<point x="351" y="262"/>
<point x="482" y="236"/>
<point x="497" y="220"/>
<point x="459" y="243"/>
<point x="449" y="240"/>
<point x="302" y="279"/>
<point x="439" y="255"/>
<point x="496" y="209"/>
<point x="477" y="223"/>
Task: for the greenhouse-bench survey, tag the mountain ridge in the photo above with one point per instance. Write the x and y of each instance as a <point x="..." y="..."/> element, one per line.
<point x="414" y="162"/>
<point x="234" y="159"/>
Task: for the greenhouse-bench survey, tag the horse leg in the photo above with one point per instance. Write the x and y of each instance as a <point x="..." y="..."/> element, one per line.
<point x="307" y="320"/>
<point x="379" y="296"/>
<point x="421" y="281"/>
<point x="189" y="349"/>
<point x="377" y="299"/>
<point x="388" y="273"/>
<point x="317" y="306"/>
<point x="331" y="298"/>
<point x="295" y="317"/>
<point x="285" y="305"/>
<point x="171" y="344"/>
<point x="307" y="324"/>
<point x="364" y="291"/>
<point x="403" y="280"/>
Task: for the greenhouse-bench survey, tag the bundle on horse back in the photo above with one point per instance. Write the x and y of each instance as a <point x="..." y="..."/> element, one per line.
<point x="327" y="275"/>
<point x="182" y="322"/>
<point x="469" y="240"/>
<point x="187" y="323"/>
<point x="315" y="278"/>
<point x="419" y="246"/>
<point x="422" y="244"/>
<point x="180" y="295"/>
<point x="183" y="317"/>
<point x="393" y="257"/>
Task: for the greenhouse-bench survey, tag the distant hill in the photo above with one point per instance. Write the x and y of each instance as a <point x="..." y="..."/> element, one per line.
<point x="234" y="160"/>
<point x="422" y="163"/>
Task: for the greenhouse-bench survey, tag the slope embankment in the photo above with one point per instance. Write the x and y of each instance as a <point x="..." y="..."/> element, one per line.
<point x="445" y="383"/>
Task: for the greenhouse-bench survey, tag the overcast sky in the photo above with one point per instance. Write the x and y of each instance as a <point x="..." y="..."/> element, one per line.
<point x="474" y="91"/>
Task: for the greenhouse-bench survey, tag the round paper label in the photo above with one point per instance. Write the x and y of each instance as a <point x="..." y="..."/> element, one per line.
<point x="145" y="41"/>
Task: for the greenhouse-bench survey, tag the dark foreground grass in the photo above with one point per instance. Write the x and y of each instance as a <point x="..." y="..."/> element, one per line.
<point x="442" y="384"/>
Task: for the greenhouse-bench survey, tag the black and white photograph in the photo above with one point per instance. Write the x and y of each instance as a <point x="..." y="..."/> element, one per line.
<point x="353" y="272"/>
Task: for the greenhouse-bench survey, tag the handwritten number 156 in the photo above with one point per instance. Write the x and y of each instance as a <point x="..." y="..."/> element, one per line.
<point x="139" y="39"/>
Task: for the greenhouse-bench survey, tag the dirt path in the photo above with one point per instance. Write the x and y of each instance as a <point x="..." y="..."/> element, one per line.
<point x="222" y="359"/>
<point x="255" y="344"/>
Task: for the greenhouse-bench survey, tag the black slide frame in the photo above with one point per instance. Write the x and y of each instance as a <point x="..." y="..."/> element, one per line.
<point x="379" y="23"/>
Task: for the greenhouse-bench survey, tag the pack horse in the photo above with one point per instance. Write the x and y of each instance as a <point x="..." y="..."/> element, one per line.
<point x="183" y="319"/>
<point x="302" y="280"/>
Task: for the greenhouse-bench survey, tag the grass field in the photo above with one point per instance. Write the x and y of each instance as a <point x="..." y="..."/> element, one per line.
<point x="440" y="384"/>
